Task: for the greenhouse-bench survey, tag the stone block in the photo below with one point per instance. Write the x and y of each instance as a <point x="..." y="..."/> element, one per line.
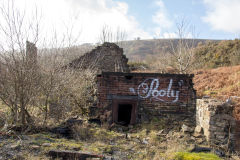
<point x="186" y="128"/>
<point x="198" y="129"/>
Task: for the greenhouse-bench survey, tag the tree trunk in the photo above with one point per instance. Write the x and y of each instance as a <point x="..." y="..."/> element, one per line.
<point x="23" y="120"/>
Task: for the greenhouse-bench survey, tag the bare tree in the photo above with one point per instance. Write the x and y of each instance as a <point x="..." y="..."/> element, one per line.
<point x="176" y="55"/>
<point x="19" y="70"/>
<point x="182" y="50"/>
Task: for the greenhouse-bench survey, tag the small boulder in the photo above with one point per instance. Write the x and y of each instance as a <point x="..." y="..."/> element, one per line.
<point x="198" y="129"/>
<point x="145" y="141"/>
<point x="160" y="133"/>
<point x="35" y="146"/>
<point x="186" y="129"/>
<point x="46" y="144"/>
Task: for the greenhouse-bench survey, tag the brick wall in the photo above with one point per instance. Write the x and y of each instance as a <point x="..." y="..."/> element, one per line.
<point x="168" y="96"/>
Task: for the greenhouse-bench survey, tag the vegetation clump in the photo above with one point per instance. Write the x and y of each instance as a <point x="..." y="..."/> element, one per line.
<point x="195" y="156"/>
<point x="218" y="54"/>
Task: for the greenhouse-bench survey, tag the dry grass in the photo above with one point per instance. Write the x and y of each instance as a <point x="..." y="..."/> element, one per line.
<point x="219" y="82"/>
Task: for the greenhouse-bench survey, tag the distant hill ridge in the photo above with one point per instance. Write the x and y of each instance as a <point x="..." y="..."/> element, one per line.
<point x="140" y="49"/>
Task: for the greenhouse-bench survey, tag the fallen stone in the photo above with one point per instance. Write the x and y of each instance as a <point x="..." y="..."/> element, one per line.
<point x="148" y="138"/>
<point x="46" y="144"/>
<point x="201" y="149"/>
<point x="128" y="136"/>
<point x="160" y="133"/>
<point x="14" y="146"/>
<point x="198" y="129"/>
<point x="186" y="128"/>
<point x="69" y="155"/>
<point x="136" y="140"/>
<point x="144" y="141"/>
<point x="35" y="146"/>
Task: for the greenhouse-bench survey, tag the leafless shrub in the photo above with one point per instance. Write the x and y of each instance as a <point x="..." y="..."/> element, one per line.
<point x="108" y="35"/>
<point x="65" y="92"/>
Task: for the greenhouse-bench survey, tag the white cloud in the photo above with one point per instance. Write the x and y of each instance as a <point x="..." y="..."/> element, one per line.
<point x="162" y="20"/>
<point x="223" y="15"/>
<point x="85" y="16"/>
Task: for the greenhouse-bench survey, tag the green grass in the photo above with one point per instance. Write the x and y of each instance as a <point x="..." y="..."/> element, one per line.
<point x="195" y="156"/>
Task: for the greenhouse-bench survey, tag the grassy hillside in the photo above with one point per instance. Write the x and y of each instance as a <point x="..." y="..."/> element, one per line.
<point x="140" y="49"/>
<point x="218" y="54"/>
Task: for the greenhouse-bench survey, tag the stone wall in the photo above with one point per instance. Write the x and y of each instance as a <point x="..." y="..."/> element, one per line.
<point x="216" y="119"/>
<point x="236" y="102"/>
<point x="167" y="96"/>
<point x="107" y="58"/>
<point x="31" y="52"/>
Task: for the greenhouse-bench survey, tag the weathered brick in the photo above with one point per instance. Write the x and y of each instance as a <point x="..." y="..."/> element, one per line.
<point x="157" y="94"/>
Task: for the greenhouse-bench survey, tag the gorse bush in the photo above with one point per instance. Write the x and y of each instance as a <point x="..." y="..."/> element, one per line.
<point x="217" y="54"/>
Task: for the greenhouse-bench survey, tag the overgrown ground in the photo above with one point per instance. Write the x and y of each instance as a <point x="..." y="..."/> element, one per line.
<point x="147" y="141"/>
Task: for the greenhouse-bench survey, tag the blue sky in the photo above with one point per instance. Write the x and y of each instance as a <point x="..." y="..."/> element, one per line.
<point x="147" y="19"/>
<point x="193" y="11"/>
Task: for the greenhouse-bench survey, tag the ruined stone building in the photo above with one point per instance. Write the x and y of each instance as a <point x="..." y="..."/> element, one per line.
<point x="106" y="58"/>
<point x="129" y="98"/>
<point x="31" y="52"/>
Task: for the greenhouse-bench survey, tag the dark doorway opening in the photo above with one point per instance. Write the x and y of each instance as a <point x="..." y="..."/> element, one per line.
<point x="124" y="113"/>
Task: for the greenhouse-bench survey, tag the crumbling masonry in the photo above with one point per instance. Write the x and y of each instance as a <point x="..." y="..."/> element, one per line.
<point x="106" y="58"/>
<point x="218" y="123"/>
